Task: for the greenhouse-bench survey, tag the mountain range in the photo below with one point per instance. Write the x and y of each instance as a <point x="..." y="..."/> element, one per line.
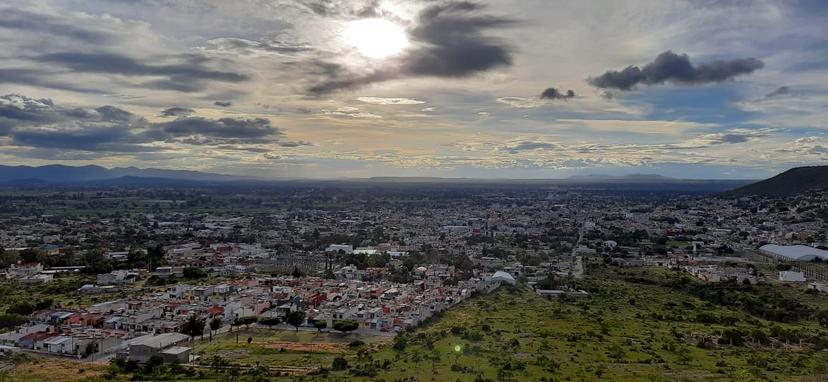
<point x="789" y="182"/>
<point x="60" y="174"/>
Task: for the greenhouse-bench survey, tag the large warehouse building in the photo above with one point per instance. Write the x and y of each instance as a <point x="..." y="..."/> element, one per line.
<point x="795" y="252"/>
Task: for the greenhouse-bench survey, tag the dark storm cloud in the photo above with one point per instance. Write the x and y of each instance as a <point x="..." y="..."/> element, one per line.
<point x="39" y="123"/>
<point x="553" y="93"/>
<point x="223" y="103"/>
<point x="189" y="74"/>
<point x="448" y="41"/>
<point x="176" y="111"/>
<point x="24" y="21"/>
<point x="671" y="67"/>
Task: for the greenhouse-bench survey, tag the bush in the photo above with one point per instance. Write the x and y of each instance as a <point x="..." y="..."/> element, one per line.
<point x="9" y="321"/>
<point x="339" y="363"/>
<point x="345" y="325"/>
<point x="356" y="343"/>
<point x="246" y="321"/>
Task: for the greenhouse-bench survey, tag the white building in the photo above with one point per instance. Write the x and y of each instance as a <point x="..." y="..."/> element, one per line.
<point x="791" y="277"/>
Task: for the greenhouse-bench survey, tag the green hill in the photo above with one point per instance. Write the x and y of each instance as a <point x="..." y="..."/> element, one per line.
<point x="791" y="182"/>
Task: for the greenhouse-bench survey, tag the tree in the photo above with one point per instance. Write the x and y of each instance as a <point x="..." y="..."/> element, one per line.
<point x="96" y="263"/>
<point x="30" y="255"/>
<point x="295" y="319"/>
<point x="822" y="317"/>
<point x="246" y="321"/>
<point x="320" y="324"/>
<point x="270" y="321"/>
<point x="23" y="308"/>
<point x="8" y="321"/>
<point x="216" y="323"/>
<point x="7" y="258"/>
<point x="193" y="273"/>
<point x="194" y="326"/>
<point x="345" y="326"/>
<point x="296" y="272"/>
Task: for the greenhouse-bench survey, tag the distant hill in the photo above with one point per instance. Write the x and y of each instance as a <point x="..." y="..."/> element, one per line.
<point x="654" y="178"/>
<point x="60" y="174"/>
<point x="791" y="182"/>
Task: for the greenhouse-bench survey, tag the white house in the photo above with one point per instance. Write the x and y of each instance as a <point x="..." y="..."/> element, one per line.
<point x="791" y="277"/>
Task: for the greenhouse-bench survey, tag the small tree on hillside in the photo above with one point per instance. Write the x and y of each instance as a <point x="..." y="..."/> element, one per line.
<point x="320" y="324"/>
<point x="270" y="321"/>
<point x="295" y="319"/>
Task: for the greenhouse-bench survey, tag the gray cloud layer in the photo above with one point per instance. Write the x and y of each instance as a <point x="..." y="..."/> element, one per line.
<point x="189" y="74"/>
<point x="671" y="67"/>
<point x="39" y="123"/>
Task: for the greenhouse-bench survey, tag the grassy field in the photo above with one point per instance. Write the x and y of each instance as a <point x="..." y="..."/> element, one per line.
<point x="638" y="325"/>
<point x="283" y="348"/>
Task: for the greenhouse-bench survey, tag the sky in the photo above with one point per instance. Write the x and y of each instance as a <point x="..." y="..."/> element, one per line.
<point x="343" y="89"/>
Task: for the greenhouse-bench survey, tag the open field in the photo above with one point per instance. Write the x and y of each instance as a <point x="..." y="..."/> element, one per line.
<point x="283" y="348"/>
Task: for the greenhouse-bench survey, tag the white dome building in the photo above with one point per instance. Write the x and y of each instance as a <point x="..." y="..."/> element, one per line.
<point x="503" y="277"/>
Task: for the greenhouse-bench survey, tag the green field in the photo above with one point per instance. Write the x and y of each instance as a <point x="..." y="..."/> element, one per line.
<point x="516" y="335"/>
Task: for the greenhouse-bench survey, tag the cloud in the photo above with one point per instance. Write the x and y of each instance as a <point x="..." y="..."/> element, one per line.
<point x="25" y="21"/>
<point x="733" y="136"/>
<point x="671" y="67"/>
<point x="34" y="77"/>
<point x="517" y="146"/>
<point x="389" y="101"/>
<point x="553" y="94"/>
<point x="176" y="111"/>
<point x="350" y="111"/>
<point x="447" y="41"/>
<point x="521" y="102"/>
<point x="187" y="73"/>
<point x="223" y="103"/>
<point x="346" y="9"/>
<point x="40" y="123"/>
<point x="779" y="92"/>
<point x="240" y="46"/>
<point x="245" y="130"/>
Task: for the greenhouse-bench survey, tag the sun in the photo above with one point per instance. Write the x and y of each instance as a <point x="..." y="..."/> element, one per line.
<point x="375" y="38"/>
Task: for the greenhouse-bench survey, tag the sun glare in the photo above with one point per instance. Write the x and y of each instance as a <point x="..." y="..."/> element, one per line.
<point x="375" y="38"/>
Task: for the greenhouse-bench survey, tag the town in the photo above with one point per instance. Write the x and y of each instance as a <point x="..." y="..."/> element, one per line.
<point x="155" y="274"/>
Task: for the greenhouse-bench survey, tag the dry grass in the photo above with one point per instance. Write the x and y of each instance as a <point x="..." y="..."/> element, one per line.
<point x="51" y="370"/>
<point x="319" y="347"/>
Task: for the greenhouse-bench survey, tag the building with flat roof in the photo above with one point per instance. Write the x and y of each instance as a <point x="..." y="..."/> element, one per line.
<point x="794" y="252"/>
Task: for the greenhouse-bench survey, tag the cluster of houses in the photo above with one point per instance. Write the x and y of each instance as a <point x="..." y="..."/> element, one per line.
<point x="141" y="326"/>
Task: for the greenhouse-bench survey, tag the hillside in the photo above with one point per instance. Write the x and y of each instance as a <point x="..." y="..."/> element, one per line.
<point x="793" y="181"/>
<point x="638" y="325"/>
